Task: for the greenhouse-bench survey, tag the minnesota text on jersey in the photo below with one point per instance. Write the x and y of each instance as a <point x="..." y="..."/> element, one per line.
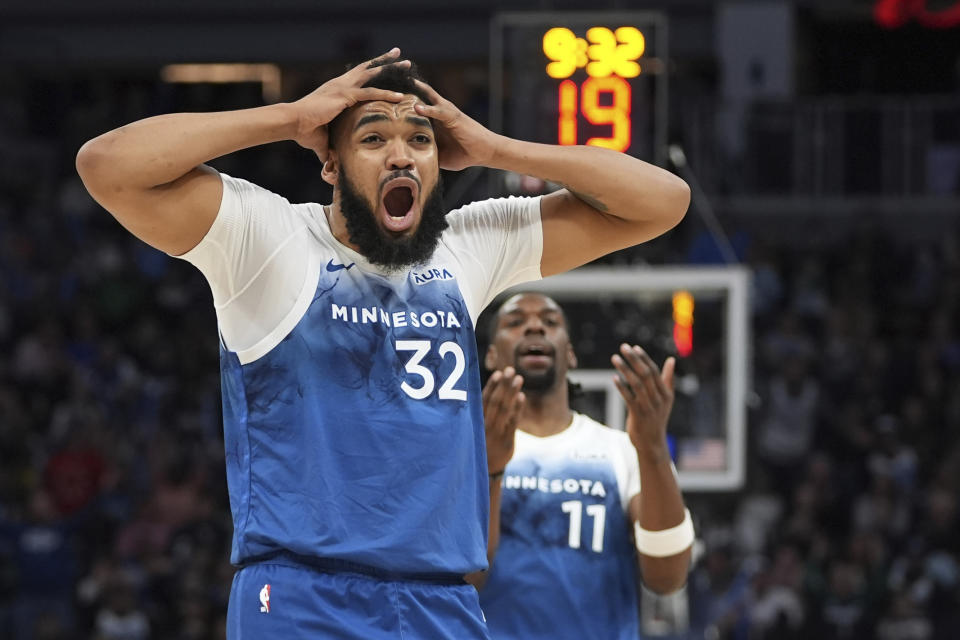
<point x="374" y="314"/>
<point x="585" y="487"/>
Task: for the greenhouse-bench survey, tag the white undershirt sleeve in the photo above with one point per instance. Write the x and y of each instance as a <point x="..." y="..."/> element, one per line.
<point x="631" y="484"/>
<point x="499" y="244"/>
<point x="255" y="259"/>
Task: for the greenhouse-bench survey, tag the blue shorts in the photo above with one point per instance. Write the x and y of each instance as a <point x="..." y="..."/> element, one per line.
<point x="278" y="600"/>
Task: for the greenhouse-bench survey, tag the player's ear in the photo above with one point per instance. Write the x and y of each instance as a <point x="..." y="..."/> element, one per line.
<point x="490" y="360"/>
<point x="571" y="357"/>
<point x="331" y="168"/>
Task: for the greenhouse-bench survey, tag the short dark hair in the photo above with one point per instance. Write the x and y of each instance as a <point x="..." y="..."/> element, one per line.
<point x="390" y="78"/>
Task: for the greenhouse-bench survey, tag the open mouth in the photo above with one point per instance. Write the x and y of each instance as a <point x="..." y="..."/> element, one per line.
<point x="398" y="201"/>
<point x="535" y="355"/>
<point x="399" y="196"/>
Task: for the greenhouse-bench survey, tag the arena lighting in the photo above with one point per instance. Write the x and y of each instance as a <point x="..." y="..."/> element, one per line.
<point x="683" y="323"/>
<point x="896" y="13"/>
<point x="268" y="75"/>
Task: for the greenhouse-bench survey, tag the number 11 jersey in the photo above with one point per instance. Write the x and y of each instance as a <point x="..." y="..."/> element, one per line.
<point x="566" y="567"/>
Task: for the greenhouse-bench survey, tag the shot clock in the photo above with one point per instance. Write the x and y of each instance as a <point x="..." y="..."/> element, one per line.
<point x="593" y="78"/>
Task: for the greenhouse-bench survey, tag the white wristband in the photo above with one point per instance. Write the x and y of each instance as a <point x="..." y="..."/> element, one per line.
<point x="660" y="544"/>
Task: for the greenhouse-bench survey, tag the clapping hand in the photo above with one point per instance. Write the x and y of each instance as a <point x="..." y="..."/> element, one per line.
<point x="502" y="404"/>
<point x="648" y="392"/>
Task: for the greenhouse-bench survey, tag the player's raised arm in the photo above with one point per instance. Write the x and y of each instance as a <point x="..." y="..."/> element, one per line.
<point x="502" y="405"/>
<point x="663" y="531"/>
<point x="611" y="201"/>
<point x="151" y="175"/>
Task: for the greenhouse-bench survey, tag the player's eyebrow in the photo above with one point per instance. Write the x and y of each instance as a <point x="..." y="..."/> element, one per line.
<point x="418" y="121"/>
<point x="370" y="117"/>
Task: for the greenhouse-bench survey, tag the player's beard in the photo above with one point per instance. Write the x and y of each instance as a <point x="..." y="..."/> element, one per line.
<point x="537" y="382"/>
<point x="373" y="243"/>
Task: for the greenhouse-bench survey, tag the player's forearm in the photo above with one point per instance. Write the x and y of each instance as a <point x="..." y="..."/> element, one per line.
<point x="661" y="507"/>
<point x="493" y="534"/>
<point x="611" y="182"/>
<point x="158" y="150"/>
<point x="661" y="503"/>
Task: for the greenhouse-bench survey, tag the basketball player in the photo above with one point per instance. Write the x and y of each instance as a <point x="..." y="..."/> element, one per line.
<point x="353" y="418"/>
<point x="571" y="511"/>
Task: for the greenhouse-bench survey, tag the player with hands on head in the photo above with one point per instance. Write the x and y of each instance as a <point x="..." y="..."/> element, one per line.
<point x="318" y="108"/>
<point x="570" y="526"/>
<point x="353" y="413"/>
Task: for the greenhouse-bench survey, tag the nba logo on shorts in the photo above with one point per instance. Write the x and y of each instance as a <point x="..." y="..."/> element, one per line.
<point x="265" y="599"/>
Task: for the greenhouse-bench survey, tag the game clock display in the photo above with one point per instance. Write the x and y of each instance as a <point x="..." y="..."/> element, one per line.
<point x="581" y="78"/>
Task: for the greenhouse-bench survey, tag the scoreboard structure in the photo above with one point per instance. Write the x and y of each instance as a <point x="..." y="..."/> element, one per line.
<point x="596" y="78"/>
<point x="700" y="315"/>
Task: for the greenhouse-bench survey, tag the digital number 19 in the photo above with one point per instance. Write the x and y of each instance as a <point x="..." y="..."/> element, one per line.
<point x="617" y="114"/>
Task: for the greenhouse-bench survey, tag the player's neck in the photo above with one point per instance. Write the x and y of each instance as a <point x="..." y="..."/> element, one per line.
<point x="338" y="225"/>
<point x="546" y="414"/>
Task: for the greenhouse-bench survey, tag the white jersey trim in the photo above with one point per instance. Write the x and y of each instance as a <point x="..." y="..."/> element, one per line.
<point x="289" y="321"/>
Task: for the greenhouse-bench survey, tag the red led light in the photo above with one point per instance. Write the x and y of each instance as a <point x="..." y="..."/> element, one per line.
<point x="683" y="305"/>
<point x="896" y="13"/>
<point x="683" y="339"/>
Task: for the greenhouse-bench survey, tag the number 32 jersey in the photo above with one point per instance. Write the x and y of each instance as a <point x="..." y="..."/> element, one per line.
<point x="566" y="566"/>
<point x="353" y="421"/>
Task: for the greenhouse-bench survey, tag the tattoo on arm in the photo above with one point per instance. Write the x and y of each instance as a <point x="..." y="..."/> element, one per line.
<point x="590" y="200"/>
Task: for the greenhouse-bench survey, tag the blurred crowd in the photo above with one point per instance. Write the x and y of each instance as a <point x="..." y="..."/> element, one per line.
<point x="848" y="525"/>
<point x="114" y="516"/>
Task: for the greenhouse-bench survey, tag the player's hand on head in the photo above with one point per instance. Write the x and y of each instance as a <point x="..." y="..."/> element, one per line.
<point x="502" y="404"/>
<point x="461" y="141"/>
<point x="648" y="393"/>
<point x="316" y="109"/>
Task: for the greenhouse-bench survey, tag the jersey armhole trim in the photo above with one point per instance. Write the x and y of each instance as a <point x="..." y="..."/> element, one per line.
<point x="285" y="326"/>
<point x="236" y="294"/>
<point x="622" y="462"/>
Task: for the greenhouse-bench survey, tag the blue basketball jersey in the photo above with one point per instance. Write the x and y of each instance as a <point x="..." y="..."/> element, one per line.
<point x="354" y="425"/>
<point x="566" y="565"/>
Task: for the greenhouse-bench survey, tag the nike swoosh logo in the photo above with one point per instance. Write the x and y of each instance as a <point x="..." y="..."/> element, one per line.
<point x="336" y="267"/>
